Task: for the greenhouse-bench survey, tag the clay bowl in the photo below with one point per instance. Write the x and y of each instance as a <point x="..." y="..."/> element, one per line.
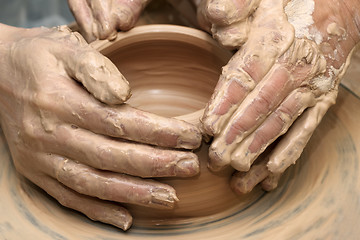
<point x="172" y="71"/>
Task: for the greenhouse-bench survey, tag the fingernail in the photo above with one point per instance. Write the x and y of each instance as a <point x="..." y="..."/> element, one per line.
<point x="112" y="36"/>
<point x="242" y="163"/>
<point x="239" y="184"/>
<point x="126" y="225"/>
<point x="271" y="182"/>
<point x="163" y="198"/>
<point x="187" y="167"/>
<point x="115" y="215"/>
<point x="243" y="158"/>
<point x="218" y="160"/>
<point x="208" y="121"/>
<point x="276" y="167"/>
<point x="191" y="139"/>
<point x="123" y="221"/>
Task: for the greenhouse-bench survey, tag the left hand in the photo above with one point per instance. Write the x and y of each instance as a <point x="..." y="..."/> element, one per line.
<point x="291" y="57"/>
<point x="67" y="132"/>
<point x="101" y="19"/>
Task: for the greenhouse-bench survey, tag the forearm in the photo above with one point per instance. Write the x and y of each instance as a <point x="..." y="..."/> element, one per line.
<point x="9" y="33"/>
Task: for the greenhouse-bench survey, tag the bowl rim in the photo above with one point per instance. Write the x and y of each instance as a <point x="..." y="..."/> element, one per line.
<point x="188" y="35"/>
<point x="178" y="33"/>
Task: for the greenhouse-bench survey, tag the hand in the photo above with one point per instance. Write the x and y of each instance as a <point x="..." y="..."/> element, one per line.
<point x="101" y="19"/>
<point x="79" y="150"/>
<point x="291" y="57"/>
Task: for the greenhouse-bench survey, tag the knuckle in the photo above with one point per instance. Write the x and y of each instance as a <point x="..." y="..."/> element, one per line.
<point x="39" y="120"/>
<point x="40" y="100"/>
<point x="103" y="156"/>
<point x="263" y="102"/>
<point x="30" y="129"/>
<point x="305" y="56"/>
<point x="75" y="38"/>
<point x="285" y="113"/>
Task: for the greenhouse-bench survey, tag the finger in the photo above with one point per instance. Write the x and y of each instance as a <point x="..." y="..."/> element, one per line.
<point x="226" y="12"/>
<point x="102" y="13"/>
<point x="230" y="90"/>
<point x="95" y="209"/>
<point x="289" y="73"/>
<point x="83" y="16"/>
<point x="232" y="36"/>
<point x="248" y="66"/>
<point x="96" y="73"/>
<point x="258" y="105"/>
<point x="103" y="153"/>
<point x="244" y="182"/>
<point x="250" y="114"/>
<point x="108" y="185"/>
<point x="202" y="19"/>
<point x="77" y="108"/>
<point x="289" y="149"/>
<point x="275" y="125"/>
<point x="271" y="182"/>
<point x="128" y="12"/>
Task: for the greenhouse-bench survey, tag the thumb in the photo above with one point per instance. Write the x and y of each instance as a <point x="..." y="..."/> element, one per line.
<point x="96" y="72"/>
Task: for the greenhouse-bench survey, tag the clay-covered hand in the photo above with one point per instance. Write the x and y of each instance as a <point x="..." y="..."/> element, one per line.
<point x="87" y="154"/>
<point x="283" y="78"/>
<point x="101" y="19"/>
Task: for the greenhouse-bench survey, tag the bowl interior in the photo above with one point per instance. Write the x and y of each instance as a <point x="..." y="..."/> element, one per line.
<point x="318" y="198"/>
<point x="173" y="74"/>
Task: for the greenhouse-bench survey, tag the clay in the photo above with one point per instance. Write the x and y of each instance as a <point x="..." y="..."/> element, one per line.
<point x="336" y="30"/>
<point x="101" y="19"/>
<point x="74" y="147"/>
<point x="175" y="77"/>
<point x="307" y="199"/>
<point x="299" y="13"/>
<point x="238" y="73"/>
<point x="252" y="106"/>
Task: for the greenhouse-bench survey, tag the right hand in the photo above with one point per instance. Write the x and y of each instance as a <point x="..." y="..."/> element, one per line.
<point x="86" y="154"/>
<point x="278" y="85"/>
<point x="101" y="19"/>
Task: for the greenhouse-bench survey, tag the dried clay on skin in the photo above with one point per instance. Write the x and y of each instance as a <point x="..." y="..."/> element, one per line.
<point x="299" y="13"/>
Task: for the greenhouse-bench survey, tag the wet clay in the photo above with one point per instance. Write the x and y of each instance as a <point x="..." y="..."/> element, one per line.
<point x="293" y="39"/>
<point x="313" y="195"/>
<point x="173" y="73"/>
<point x="56" y="130"/>
<point x="299" y="14"/>
<point x="102" y="19"/>
<point x="300" y="49"/>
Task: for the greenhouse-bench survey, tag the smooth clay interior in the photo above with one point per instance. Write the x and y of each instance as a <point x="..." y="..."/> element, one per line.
<point x="173" y="74"/>
<point x="318" y="198"/>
